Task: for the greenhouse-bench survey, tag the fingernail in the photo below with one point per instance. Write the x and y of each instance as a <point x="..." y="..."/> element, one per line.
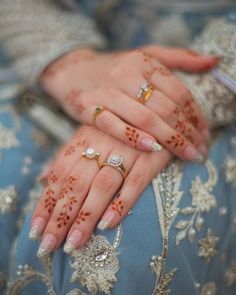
<point x="192" y="154"/>
<point x="47" y="245"/>
<point x="206" y="135"/>
<point x="37" y="228"/>
<point x="73" y="242"/>
<point x="203" y="150"/>
<point x="106" y="220"/>
<point x="151" y="145"/>
<point x="44" y="174"/>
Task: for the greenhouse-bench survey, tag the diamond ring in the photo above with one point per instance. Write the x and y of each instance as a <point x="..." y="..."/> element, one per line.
<point x="145" y="93"/>
<point x="116" y="161"/>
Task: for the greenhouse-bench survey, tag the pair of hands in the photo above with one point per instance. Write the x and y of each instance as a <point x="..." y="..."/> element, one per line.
<point x="82" y="81"/>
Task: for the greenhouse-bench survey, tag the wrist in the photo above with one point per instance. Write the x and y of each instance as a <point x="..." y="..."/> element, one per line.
<point x="55" y="74"/>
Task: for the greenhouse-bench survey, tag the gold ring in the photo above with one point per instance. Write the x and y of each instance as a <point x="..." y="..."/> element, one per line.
<point x="116" y="161"/>
<point x="97" y="112"/>
<point x="90" y="154"/>
<point x="145" y="93"/>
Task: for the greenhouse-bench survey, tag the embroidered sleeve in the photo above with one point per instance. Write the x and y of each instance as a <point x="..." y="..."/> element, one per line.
<point x="35" y="32"/>
<point x="215" y="92"/>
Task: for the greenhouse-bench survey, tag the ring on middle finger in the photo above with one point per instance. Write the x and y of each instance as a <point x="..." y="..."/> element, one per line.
<point x="91" y="154"/>
<point x="116" y="161"/>
<point x="145" y="93"/>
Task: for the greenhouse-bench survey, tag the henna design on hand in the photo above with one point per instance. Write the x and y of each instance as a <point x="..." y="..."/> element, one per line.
<point x="67" y="187"/>
<point x="63" y="216"/>
<point x="72" y="99"/>
<point x="52" y="177"/>
<point x="70" y="150"/>
<point x="82" y="216"/>
<point x="117" y="205"/>
<point x="176" y="140"/>
<point x="190" y="112"/>
<point x="162" y="70"/>
<point x="132" y="135"/>
<point x="50" y="201"/>
<point x="82" y="140"/>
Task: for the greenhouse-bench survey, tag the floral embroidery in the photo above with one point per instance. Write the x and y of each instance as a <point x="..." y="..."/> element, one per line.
<point x="202" y="201"/>
<point x="230" y="170"/>
<point x="29" y="274"/>
<point x="8" y="198"/>
<point x="208" y="246"/>
<point x="209" y="289"/>
<point x="96" y="265"/>
<point x="168" y="195"/>
<point x="7" y="138"/>
<point x="230" y="276"/>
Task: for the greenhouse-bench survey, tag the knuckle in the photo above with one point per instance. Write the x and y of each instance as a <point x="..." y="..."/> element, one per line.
<point x="147" y="120"/>
<point x="135" y="180"/>
<point x="103" y="183"/>
<point x="104" y="122"/>
<point x="119" y="71"/>
<point x="80" y="185"/>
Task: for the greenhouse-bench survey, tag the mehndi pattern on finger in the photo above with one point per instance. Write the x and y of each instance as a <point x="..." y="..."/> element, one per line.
<point x="132" y="135"/>
<point x="82" y="216"/>
<point x="50" y="201"/>
<point x="64" y="217"/>
<point x="176" y="140"/>
<point x="117" y="205"/>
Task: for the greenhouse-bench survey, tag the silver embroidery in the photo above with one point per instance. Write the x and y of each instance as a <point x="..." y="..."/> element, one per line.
<point x="8" y="198"/>
<point x="96" y="265"/>
<point x="7" y="138"/>
<point x="202" y="201"/>
<point x="230" y="170"/>
<point x="29" y="274"/>
<point x="230" y="276"/>
<point x="76" y="292"/>
<point x="207" y="246"/>
<point x="209" y="289"/>
<point x="167" y="195"/>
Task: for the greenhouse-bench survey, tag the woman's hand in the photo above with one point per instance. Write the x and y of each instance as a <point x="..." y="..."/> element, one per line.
<point x="80" y="191"/>
<point x="102" y="89"/>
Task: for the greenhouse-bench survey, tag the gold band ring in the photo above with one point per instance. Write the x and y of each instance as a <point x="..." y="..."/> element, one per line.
<point x="145" y="93"/>
<point x="116" y="161"/>
<point x="90" y="154"/>
<point x="97" y="112"/>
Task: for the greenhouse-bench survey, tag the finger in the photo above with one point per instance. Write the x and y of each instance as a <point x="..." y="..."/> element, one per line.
<point x="104" y="186"/>
<point x="167" y="110"/>
<point x="145" y="119"/>
<point x="172" y="87"/>
<point x="65" y="160"/>
<point x="113" y="125"/>
<point x="70" y="200"/>
<point x="182" y="59"/>
<point x="133" y="187"/>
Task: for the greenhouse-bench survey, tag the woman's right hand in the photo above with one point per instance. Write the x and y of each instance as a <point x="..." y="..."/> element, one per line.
<point x="101" y="89"/>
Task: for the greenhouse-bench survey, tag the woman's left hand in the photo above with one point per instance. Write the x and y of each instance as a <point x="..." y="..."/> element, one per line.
<point x="79" y="191"/>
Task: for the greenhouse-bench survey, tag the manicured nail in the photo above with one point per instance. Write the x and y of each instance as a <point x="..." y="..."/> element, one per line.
<point x="203" y="150"/>
<point x="151" y="145"/>
<point x="106" y="220"/>
<point x="74" y="241"/>
<point x="47" y="245"/>
<point x="206" y="135"/>
<point x="37" y="228"/>
<point x="44" y="174"/>
<point x="192" y="154"/>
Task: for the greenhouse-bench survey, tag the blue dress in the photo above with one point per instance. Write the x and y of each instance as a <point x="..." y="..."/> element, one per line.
<point x="180" y="236"/>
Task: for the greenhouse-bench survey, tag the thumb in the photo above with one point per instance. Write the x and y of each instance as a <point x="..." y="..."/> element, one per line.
<point x="182" y="59"/>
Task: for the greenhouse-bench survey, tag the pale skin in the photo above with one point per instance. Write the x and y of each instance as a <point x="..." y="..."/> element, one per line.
<point x="78" y="194"/>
